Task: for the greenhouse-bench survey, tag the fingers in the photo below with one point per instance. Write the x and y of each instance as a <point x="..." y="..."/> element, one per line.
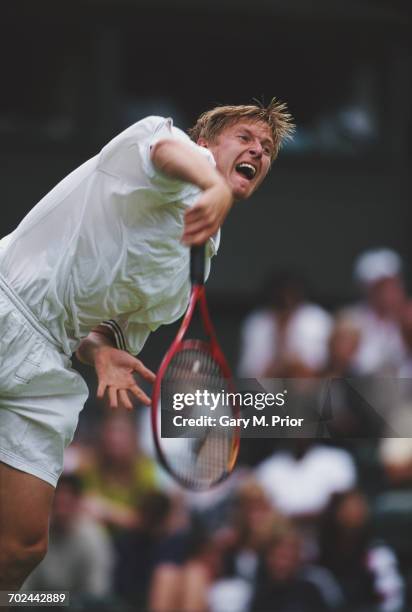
<point x="197" y="231"/>
<point x="112" y="396"/>
<point x="141" y="395"/>
<point x="195" y="228"/>
<point x="202" y="220"/>
<point x="116" y="380"/>
<point x="124" y="399"/>
<point x="119" y="398"/>
<point x="202" y="213"/>
<point x="147" y="374"/>
<point x="206" y="216"/>
<point x="195" y="239"/>
<point x="101" y="389"/>
<point x="200" y="210"/>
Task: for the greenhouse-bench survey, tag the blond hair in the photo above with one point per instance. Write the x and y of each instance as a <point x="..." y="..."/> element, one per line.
<point x="275" y="115"/>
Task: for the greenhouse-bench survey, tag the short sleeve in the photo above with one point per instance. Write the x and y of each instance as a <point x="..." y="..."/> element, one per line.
<point x="164" y="129"/>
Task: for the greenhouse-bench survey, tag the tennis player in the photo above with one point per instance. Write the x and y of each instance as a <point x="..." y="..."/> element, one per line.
<point x="100" y="262"/>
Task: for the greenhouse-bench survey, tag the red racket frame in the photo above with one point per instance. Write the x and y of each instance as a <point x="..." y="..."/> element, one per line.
<point x="197" y="297"/>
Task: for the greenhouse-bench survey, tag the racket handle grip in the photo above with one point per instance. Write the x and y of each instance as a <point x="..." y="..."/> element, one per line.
<point x="197" y="265"/>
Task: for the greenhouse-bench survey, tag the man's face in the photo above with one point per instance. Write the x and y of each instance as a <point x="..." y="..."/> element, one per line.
<point x="387" y="296"/>
<point x="243" y="154"/>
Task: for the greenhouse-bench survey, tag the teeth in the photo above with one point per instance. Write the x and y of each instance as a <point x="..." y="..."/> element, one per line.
<point x="247" y="166"/>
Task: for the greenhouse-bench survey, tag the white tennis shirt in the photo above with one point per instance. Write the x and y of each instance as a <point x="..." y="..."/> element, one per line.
<point x="104" y="244"/>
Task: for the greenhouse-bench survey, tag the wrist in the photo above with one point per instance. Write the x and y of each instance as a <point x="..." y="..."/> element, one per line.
<point x="215" y="181"/>
<point x="93" y="347"/>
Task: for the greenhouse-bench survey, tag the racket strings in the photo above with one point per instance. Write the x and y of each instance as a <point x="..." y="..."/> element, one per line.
<point x="201" y="461"/>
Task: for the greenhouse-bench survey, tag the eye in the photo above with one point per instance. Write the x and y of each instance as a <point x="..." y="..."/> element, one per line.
<point x="244" y="137"/>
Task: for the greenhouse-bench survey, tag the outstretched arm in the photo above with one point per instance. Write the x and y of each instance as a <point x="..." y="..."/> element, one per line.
<point x="180" y="161"/>
<point x="115" y="369"/>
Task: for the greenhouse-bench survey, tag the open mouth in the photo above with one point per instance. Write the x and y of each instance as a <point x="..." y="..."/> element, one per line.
<point x="246" y="170"/>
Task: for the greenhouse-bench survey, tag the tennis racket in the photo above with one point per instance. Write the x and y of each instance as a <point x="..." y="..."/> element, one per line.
<point x="191" y="364"/>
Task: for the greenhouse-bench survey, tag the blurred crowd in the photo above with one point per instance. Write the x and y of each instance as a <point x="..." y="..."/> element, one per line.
<point x="304" y="524"/>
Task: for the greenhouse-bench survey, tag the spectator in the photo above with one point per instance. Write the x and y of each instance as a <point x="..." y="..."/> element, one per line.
<point x="118" y="475"/>
<point x="150" y="557"/>
<point x="350" y="413"/>
<point x="282" y="586"/>
<point x="396" y="452"/>
<point x="343" y="345"/>
<point x="405" y="370"/>
<point x="366" y="571"/>
<point x="252" y="523"/>
<point x="202" y="567"/>
<point x="288" y="337"/>
<point x="396" y="457"/>
<point x="381" y="349"/>
<point x="300" y="481"/>
<point x="80" y="556"/>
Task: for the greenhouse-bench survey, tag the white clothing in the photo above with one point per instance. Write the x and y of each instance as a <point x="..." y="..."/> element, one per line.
<point x="104" y="244"/>
<point x="388" y="582"/>
<point x="304" y="486"/>
<point x="40" y="394"/>
<point x="230" y="595"/>
<point x="306" y="339"/>
<point x="381" y="349"/>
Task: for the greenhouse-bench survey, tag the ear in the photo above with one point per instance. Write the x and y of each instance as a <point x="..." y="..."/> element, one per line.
<point x="202" y="142"/>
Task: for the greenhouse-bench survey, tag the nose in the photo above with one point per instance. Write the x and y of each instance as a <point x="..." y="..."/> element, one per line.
<point x="256" y="150"/>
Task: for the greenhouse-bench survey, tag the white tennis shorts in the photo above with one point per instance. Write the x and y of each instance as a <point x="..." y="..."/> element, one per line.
<point x="40" y="394"/>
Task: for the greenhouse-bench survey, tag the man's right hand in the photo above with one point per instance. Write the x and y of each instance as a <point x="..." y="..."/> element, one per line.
<point x="180" y="161"/>
<point x="204" y="218"/>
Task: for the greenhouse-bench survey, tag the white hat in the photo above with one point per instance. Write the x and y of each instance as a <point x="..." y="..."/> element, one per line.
<point x="376" y="264"/>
